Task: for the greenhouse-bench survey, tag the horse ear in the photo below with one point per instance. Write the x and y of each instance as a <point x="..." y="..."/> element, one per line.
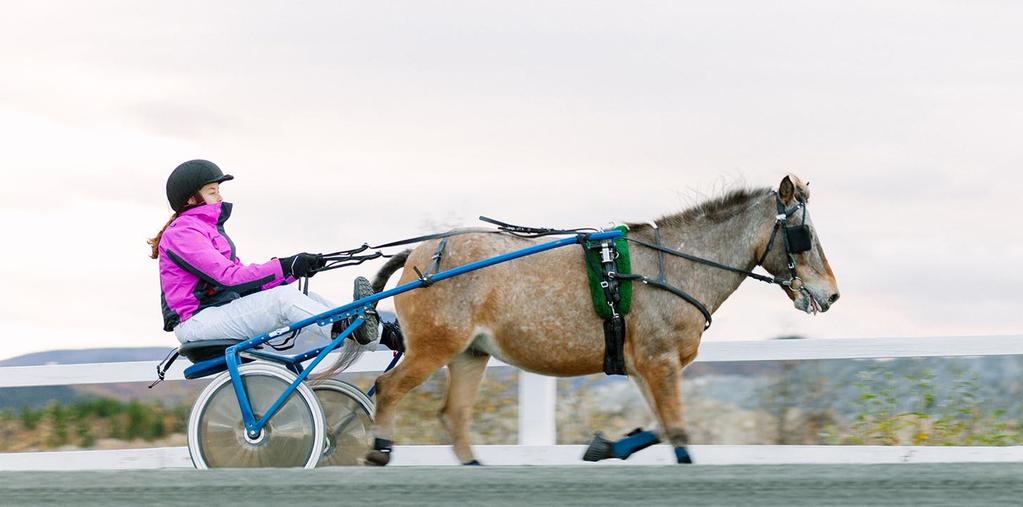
<point x="787" y="190"/>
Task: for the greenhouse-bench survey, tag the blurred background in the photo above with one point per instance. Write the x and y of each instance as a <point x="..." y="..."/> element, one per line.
<point x="352" y="122"/>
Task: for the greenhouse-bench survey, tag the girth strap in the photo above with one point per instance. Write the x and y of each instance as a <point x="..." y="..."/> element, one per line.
<point x="614" y="323"/>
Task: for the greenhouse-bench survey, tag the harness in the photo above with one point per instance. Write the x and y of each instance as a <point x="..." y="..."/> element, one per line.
<point x="797" y="239"/>
<point x="607" y="262"/>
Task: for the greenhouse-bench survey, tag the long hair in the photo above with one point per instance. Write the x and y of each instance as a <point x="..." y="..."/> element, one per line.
<point x="154" y="243"/>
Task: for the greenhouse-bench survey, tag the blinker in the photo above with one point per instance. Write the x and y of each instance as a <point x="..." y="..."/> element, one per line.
<point x="798" y="238"/>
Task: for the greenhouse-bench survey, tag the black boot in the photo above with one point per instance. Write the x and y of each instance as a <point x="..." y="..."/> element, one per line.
<point x="391" y="337"/>
<point x="381" y="453"/>
<point x="367" y="332"/>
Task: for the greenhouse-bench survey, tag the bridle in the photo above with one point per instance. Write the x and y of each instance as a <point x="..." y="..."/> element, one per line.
<point x="797" y="239"/>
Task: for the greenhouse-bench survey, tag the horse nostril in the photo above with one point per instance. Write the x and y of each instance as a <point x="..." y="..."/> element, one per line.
<point x="834" y="297"/>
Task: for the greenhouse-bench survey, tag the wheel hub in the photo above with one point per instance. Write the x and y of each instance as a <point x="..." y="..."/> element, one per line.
<point x="256" y="440"/>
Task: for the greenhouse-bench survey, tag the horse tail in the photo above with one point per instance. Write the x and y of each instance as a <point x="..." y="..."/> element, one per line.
<point x="393" y="264"/>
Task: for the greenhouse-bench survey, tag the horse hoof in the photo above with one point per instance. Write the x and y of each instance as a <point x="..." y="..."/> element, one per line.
<point x="381" y="453"/>
<point x="378" y="458"/>
<point x="599" y="448"/>
<point x="473" y="463"/>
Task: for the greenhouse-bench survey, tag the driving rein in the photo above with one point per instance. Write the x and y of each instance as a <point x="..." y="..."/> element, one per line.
<point x="797" y="239"/>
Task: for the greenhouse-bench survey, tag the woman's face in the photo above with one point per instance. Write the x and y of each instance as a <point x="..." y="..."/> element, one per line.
<point x="210" y="194"/>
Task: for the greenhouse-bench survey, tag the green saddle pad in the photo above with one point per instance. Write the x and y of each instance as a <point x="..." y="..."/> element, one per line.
<point x="595" y="275"/>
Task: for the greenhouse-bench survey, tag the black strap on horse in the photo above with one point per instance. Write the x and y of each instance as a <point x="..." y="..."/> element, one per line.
<point x="439" y="235"/>
<point x="614" y="324"/>
<point x="534" y="232"/>
<point x="674" y="290"/>
<point x="700" y="260"/>
<point x="661" y="281"/>
<point x="426" y="278"/>
<point x="660" y="254"/>
<point x="797" y="239"/>
<point x="345" y="258"/>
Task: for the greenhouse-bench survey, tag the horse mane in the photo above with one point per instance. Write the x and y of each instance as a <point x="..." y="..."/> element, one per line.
<point x="715" y="209"/>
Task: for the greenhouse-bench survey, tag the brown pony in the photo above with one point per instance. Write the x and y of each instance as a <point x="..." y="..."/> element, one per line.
<point x="536" y="313"/>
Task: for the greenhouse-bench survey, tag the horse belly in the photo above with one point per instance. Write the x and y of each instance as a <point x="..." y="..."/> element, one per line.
<point x="534" y="313"/>
<point x="544" y="320"/>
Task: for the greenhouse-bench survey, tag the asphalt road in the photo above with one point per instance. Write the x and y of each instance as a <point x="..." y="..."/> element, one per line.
<point x="789" y="485"/>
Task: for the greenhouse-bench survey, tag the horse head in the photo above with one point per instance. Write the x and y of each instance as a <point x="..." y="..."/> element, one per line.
<point x="794" y="252"/>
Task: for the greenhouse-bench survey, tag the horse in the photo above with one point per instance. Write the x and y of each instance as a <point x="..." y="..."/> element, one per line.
<point x="536" y="313"/>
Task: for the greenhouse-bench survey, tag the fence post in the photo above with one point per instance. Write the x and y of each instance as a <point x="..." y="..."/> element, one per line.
<point x="537" y="401"/>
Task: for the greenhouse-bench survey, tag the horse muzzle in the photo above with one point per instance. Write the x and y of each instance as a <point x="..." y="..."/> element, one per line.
<point x="811" y="302"/>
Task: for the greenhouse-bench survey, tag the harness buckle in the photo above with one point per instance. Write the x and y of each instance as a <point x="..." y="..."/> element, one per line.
<point x="605" y="252"/>
<point x="426" y="279"/>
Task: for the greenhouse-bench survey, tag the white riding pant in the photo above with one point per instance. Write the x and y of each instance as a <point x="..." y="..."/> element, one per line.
<point x="255" y="314"/>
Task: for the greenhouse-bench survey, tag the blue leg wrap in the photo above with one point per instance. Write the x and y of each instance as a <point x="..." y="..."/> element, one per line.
<point x="625" y="447"/>
<point x="682" y="455"/>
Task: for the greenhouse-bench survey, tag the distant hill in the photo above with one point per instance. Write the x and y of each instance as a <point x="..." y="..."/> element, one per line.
<point x="104" y="355"/>
<point x="114" y="354"/>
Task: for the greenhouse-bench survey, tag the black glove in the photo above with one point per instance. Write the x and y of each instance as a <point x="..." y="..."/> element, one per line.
<point x="303" y="264"/>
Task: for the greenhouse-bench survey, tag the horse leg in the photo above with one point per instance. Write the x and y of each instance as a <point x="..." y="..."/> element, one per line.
<point x="465" y="372"/>
<point x="392" y="386"/>
<point x="601" y="448"/>
<point x="663" y="377"/>
<point x="659" y="381"/>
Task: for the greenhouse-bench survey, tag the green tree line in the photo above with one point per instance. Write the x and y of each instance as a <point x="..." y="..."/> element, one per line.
<point x="81" y="423"/>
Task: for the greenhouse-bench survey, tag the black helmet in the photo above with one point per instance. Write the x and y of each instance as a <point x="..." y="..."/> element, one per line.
<point x="188" y="178"/>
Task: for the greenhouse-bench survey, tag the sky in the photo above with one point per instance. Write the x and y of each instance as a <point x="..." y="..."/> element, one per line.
<point x="351" y="122"/>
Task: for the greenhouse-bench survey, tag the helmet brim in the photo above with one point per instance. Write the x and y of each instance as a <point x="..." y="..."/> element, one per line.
<point x="226" y="177"/>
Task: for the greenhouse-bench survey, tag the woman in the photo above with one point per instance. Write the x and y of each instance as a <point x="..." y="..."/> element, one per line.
<point x="208" y="293"/>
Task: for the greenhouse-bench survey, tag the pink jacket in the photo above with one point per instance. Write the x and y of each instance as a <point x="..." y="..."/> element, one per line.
<point x="199" y="268"/>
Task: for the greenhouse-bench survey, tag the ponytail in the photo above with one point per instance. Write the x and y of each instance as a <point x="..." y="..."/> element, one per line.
<point x="154" y="243"/>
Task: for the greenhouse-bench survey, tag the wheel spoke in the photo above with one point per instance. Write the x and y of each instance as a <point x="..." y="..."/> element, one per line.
<point x="348" y="423"/>
<point x="289" y="439"/>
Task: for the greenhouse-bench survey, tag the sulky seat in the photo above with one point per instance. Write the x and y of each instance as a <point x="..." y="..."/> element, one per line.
<point x="202" y="350"/>
<point x="207" y="357"/>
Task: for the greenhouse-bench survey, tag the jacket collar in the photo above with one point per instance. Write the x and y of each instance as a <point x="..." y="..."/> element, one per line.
<point x="213" y="214"/>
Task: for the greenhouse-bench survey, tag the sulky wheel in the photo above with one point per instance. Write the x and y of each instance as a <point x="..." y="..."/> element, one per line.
<point x="349" y="417"/>
<point x="292" y="438"/>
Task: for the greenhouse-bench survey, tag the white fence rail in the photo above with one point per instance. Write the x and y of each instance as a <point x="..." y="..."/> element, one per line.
<point x="772" y="350"/>
<point x="537" y="394"/>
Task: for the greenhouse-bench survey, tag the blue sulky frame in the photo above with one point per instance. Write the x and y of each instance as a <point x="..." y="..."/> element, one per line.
<point x="355" y="309"/>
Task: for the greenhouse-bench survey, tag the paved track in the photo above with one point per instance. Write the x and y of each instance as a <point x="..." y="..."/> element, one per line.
<point x="789" y="485"/>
